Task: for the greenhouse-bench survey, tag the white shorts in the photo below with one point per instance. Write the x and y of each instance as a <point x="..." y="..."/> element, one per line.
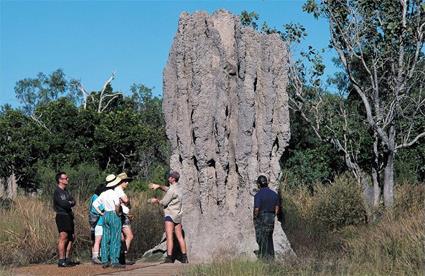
<point x="98" y="230"/>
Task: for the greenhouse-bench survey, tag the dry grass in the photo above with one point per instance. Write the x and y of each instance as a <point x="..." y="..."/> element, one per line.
<point x="393" y="245"/>
<point x="28" y="232"/>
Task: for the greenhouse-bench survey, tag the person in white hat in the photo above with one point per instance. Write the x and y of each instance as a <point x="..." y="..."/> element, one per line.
<point x="125" y="215"/>
<point x="111" y="239"/>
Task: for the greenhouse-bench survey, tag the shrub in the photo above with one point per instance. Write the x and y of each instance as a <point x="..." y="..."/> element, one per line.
<point x="296" y="206"/>
<point x="83" y="179"/>
<point x="339" y="205"/>
<point x="308" y="166"/>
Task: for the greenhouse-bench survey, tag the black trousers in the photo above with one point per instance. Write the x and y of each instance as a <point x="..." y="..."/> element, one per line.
<point x="264" y="226"/>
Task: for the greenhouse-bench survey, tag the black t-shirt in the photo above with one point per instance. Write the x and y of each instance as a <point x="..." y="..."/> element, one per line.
<point x="63" y="202"/>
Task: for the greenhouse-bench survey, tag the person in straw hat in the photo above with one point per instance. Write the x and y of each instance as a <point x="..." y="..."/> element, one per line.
<point x="125" y="214"/>
<point x="111" y="239"/>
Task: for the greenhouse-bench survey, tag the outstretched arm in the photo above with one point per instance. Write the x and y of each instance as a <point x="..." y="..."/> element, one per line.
<point x="154" y="186"/>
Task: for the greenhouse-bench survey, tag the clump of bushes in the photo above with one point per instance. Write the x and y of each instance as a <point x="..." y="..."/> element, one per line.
<point x="83" y="179"/>
<point x="310" y="216"/>
<point x="338" y="205"/>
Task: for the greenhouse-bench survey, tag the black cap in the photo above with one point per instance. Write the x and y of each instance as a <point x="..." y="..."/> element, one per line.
<point x="262" y="181"/>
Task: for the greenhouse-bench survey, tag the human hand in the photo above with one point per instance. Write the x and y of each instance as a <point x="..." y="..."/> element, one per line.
<point x="153" y="200"/>
<point x="153" y="186"/>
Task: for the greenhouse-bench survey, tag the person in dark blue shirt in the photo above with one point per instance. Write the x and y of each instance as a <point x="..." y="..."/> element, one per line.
<point x="266" y="207"/>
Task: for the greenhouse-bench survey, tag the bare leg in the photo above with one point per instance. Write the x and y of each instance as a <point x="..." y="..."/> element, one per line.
<point x="169" y="229"/>
<point x="69" y="247"/>
<point x="96" y="246"/>
<point x="62" y="244"/>
<point x="179" y="235"/>
<point x="128" y="234"/>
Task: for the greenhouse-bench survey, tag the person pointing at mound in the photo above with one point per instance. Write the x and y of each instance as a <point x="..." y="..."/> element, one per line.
<point x="172" y="203"/>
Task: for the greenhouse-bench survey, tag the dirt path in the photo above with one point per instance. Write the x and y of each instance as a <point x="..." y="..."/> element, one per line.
<point x="153" y="269"/>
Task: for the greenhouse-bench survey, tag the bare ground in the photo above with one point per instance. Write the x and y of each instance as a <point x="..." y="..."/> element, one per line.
<point x="154" y="269"/>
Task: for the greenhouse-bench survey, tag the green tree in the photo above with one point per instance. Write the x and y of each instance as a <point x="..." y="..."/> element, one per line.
<point x="63" y="128"/>
<point x="379" y="44"/>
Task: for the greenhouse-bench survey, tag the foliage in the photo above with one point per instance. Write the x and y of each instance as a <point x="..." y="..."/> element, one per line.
<point x="339" y="205"/>
<point x="308" y="166"/>
<point x="83" y="179"/>
<point x="380" y="47"/>
<point x="32" y="92"/>
<point x="55" y="132"/>
<point x="249" y="19"/>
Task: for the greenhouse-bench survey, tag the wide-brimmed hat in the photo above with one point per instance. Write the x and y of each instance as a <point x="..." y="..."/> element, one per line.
<point x="123" y="176"/>
<point x="112" y="180"/>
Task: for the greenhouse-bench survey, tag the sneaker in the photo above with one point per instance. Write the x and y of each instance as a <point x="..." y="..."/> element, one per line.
<point x="184" y="259"/>
<point x="71" y="262"/>
<point x="96" y="261"/>
<point x="106" y="265"/>
<point x="64" y="264"/>
<point x="168" y="260"/>
<point x="128" y="262"/>
<point x="118" y="265"/>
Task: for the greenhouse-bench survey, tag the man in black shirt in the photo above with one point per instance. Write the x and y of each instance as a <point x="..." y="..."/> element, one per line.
<point x="266" y="207"/>
<point x="62" y="204"/>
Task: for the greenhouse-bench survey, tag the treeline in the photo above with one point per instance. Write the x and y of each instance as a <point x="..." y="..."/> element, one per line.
<point x="62" y="127"/>
<point x="60" y="131"/>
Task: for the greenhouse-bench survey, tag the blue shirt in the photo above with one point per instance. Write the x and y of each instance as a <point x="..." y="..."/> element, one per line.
<point x="93" y="210"/>
<point x="266" y="200"/>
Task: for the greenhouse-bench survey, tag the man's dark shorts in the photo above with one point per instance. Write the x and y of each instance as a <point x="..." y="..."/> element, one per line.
<point x="65" y="223"/>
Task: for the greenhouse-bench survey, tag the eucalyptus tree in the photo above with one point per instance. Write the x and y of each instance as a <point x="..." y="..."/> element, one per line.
<point x="380" y="46"/>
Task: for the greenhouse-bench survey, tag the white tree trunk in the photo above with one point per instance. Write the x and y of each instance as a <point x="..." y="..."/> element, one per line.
<point x="8" y="187"/>
<point x="389" y="181"/>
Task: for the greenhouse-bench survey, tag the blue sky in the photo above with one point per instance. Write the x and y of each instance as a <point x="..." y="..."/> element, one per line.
<point x="91" y="39"/>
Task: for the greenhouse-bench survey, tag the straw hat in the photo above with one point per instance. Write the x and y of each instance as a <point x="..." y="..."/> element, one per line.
<point x="112" y="180"/>
<point x="124" y="176"/>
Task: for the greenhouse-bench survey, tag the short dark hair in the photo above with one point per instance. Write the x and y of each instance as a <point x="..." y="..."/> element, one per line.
<point x="58" y="176"/>
<point x="262" y="181"/>
<point x="175" y="175"/>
